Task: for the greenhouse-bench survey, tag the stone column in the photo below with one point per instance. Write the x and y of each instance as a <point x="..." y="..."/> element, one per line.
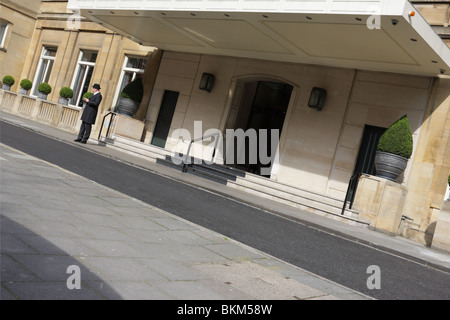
<point x="441" y="237"/>
<point x="149" y="82"/>
<point x="427" y="181"/>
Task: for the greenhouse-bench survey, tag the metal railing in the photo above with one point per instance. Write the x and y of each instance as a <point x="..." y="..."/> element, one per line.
<point x="352" y="185"/>
<point x="185" y="161"/>
<point x="112" y="114"/>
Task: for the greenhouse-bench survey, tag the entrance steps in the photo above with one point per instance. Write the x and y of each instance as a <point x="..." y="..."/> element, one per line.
<point x="251" y="183"/>
<point x="298" y="198"/>
<point x="135" y="148"/>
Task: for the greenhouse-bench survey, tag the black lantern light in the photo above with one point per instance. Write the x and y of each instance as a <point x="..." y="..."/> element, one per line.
<point x="206" y="82"/>
<point x="317" y="98"/>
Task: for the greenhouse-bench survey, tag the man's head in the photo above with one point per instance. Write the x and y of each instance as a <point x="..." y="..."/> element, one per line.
<point x="96" y="87"/>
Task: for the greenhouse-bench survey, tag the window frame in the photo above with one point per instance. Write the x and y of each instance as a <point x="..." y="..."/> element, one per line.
<point x="80" y="64"/>
<point x="125" y="69"/>
<point x="48" y="66"/>
<point x="4" y="35"/>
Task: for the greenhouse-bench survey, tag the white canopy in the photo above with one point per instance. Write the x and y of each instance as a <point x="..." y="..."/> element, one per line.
<point x="380" y="35"/>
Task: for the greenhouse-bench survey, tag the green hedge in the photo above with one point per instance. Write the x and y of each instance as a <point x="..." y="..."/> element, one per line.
<point x="9" y="80"/>
<point x="26" y="84"/>
<point x="397" y="139"/>
<point x="45" y="88"/>
<point x="66" y="92"/>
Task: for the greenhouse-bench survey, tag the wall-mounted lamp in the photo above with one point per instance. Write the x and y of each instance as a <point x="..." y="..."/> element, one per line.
<point x="317" y="98"/>
<point x="206" y="82"/>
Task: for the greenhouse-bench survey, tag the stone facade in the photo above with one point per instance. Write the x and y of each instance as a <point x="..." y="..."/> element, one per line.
<point x="22" y="20"/>
<point x="51" y="24"/>
<point x="317" y="149"/>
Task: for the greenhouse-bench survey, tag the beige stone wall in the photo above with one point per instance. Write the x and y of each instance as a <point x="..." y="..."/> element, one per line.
<point x="377" y="99"/>
<point x="431" y="165"/>
<point x="305" y="161"/>
<point x="381" y="202"/>
<point x="52" y="29"/>
<point x="18" y="38"/>
<point x="437" y="14"/>
<point x="441" y="238"/>
<point x="318" y="149"/>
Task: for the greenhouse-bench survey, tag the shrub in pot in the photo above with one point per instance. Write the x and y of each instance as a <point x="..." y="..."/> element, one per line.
<point x="8" y="81"/>
<point x="130" y="98"/>
<point x="87" y="95"/>
<point x="25" y="86"/>
<point x="64" y="95"/>
<point x="394" y="149"/>
<point x="44" y="90"/>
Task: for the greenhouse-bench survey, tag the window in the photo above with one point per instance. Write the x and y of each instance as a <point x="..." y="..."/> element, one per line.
<point x="44" y="68"/>
<point x="82" y="76"/>
<point x="132" y="67"/>
<point x="4" y="25"/>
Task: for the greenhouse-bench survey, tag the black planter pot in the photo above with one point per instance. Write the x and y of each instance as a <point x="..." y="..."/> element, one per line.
<point x="127" y="107"/>
<point x="389" y="166"/>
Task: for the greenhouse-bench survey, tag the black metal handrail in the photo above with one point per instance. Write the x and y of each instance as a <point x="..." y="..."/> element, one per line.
<point x="112" y="114"/>
<point x="352" y="184"/>
<point x="185" y="161"/>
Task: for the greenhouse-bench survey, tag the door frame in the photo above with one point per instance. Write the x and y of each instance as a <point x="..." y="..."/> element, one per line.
<point x="236" y="91"/>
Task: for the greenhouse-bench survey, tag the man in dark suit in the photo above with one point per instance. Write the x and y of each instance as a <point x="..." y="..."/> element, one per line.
<point x="89" y="114"/>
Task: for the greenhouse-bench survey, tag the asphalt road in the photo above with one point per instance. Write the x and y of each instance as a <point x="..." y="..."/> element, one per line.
<point x="340" y="260"/>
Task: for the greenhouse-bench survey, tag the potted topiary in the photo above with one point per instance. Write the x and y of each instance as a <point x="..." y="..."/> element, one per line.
<point x="87" y="95"/>
<point x="130" y="98"/>
<point x="394" y="149"/>
<point x="44" y="90"/>
<point x="8" y="81"/>
<point x="64" y="95"/>
<point x="25" y="86"/>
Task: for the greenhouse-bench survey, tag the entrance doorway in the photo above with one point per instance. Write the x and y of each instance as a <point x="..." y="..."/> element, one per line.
<point x="261" y="108"/>
<point x="165" y="115"/>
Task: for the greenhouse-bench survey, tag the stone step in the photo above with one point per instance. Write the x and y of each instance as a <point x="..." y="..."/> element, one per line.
<point x="136" y="148"/>
<point x="281" y="188"/>
<point x="210" y="172"/>
<point x="317" y="204"/>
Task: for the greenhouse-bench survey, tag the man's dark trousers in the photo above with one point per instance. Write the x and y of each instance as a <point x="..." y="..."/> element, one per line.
<point x="85" y="131"/>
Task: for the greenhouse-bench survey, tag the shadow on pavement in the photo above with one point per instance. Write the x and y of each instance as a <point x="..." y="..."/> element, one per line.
<point x="32" y="268"/>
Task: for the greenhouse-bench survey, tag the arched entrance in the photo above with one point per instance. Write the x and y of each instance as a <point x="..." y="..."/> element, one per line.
<point x="254" y="124"/>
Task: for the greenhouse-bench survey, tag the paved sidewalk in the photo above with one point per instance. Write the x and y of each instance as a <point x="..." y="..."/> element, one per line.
<point x="54" y="222"/>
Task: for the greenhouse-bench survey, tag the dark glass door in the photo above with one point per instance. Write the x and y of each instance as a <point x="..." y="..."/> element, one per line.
<point x="164" y="120"/>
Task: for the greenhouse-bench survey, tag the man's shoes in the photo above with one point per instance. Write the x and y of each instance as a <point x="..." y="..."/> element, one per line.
<point x="83" y="141"/>
<point x="77" y="140"/>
